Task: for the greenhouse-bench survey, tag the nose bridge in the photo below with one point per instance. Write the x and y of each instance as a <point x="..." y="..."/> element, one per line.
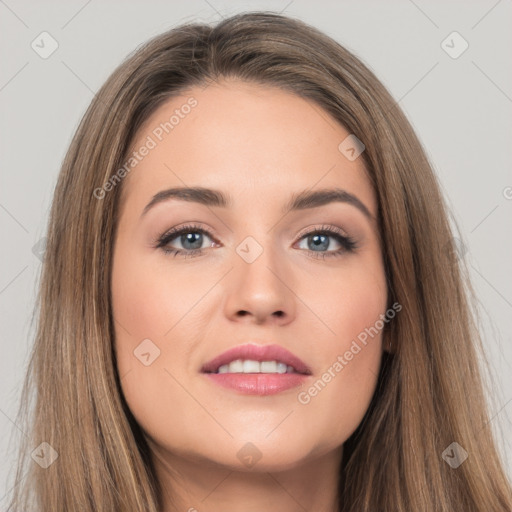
<point x="259" y="258"/>
<point x="260" y="284"/>
<point x="259" y="240"/>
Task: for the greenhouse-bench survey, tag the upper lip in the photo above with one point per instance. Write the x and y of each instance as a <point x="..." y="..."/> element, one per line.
<point x="257" y="353"/>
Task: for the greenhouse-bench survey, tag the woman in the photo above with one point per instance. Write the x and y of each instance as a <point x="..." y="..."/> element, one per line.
<point x="313" y="349"/>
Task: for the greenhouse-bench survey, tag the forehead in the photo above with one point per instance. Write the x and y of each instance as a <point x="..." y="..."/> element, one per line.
<point x="250" y="140"/>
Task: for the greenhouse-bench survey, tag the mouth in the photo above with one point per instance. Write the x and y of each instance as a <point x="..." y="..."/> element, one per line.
<point x="257" y="369"/>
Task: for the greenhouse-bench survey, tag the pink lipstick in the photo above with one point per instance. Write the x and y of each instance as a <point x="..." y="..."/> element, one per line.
<point x="257" y="369"/>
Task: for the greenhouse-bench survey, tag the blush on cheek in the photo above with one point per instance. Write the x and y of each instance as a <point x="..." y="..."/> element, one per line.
<point x="356" y="317"/>
<point x="140" y="301"/>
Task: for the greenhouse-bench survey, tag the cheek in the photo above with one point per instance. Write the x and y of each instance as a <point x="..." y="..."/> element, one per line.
<point x="149" y="301"/>
<point x="150" y="309"/>
<point x="352" y="306"/>
<point x="348" y="302"/>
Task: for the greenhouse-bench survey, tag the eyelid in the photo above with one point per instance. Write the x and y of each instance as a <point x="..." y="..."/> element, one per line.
<point x="323" y="227"/>
<point x="175" y="231"/>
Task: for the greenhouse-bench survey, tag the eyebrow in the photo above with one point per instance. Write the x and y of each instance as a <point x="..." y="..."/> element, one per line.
<point x="299" y="201"/>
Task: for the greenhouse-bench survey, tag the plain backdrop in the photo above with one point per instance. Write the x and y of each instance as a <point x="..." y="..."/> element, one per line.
<point x="460" y="106"/>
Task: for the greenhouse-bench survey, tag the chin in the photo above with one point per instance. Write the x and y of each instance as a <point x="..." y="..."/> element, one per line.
<point x="260" y="455"/>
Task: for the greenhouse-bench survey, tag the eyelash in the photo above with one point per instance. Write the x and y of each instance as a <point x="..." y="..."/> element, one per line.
<point x="347" y="242"/>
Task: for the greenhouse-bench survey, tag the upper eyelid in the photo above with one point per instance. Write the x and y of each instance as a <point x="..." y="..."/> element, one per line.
<point x="333" y="230"/>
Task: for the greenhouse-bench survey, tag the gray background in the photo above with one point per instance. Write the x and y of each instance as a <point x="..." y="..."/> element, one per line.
<point x="460" y="107"/>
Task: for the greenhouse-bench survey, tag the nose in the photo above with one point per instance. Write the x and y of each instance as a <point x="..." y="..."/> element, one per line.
<point x="261" y="291"/>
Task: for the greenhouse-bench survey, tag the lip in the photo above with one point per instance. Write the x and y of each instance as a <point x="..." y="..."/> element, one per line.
<point x="257" y="353"/>
<point x="257" y="383"/>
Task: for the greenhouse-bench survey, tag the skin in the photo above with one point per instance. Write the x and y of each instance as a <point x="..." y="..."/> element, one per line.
<point x="258" y="144"/>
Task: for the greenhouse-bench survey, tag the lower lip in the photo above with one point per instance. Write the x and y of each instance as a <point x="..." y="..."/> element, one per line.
<point x="258" y="383"/>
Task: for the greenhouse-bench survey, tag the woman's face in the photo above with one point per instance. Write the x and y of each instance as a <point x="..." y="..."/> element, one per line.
<point x="250" y="272"/>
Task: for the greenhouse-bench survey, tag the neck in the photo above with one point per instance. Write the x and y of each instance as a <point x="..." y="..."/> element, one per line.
<point x="203" y="486"/>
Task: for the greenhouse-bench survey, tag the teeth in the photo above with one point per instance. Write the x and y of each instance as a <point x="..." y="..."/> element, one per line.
<point x="236" y="366"/>
<point x="268" y="366"/>
<point x="250" y="366"/>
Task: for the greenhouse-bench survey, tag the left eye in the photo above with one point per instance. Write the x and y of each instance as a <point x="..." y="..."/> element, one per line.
<point x="317" y="240"/>
<point x="191" y="239"/>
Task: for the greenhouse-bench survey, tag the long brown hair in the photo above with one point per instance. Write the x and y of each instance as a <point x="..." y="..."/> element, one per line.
<point x="430" y="392"/>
